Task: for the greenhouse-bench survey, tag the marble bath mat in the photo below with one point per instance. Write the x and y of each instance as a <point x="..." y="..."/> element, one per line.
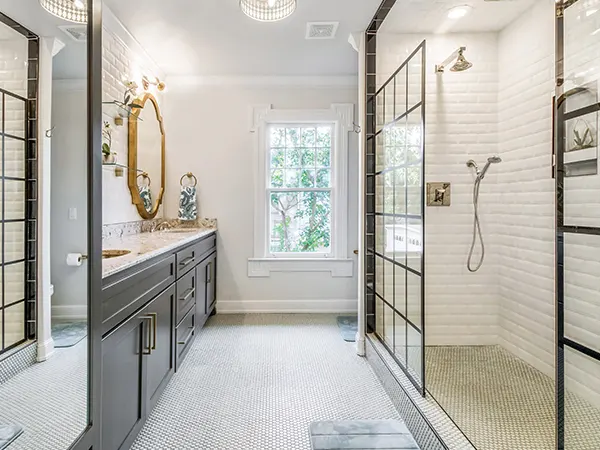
<point x="68" y="334"/>
<point x="8" y="433"/>
<point x="348" y="327"/>
<point x="361" y="434"/>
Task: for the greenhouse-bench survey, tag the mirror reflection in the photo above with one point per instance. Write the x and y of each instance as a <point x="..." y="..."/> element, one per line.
<point x="44" y="297"/>
<point x="146" y="138"/>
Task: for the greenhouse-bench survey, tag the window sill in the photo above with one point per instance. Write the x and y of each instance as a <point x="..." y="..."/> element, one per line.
<point x="262" y="267"/>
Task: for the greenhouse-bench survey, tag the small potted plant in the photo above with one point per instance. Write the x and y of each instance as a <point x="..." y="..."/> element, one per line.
<point x="108" y="156"/>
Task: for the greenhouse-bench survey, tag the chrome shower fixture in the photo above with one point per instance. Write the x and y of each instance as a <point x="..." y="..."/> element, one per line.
<point x="481" y="173"/>
<point x="477" y="234"/>
<point x="460" y="65"/>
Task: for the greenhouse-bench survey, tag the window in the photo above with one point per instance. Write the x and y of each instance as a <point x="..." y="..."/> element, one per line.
<point x="301" y="191"/>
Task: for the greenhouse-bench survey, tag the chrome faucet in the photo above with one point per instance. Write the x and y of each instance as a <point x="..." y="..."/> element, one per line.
<point x="162" y="225"/>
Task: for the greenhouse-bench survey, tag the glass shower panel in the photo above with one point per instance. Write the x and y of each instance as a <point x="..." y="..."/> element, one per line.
<point x="399" y="193"/>
<point x="581" y="401"/>
<point x="581" y="300"/>
<point x="400" y="93"/>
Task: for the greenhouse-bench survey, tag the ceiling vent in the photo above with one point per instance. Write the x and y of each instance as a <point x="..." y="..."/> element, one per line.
<point x="76" y="32"/>
<point x="321" y="30"/>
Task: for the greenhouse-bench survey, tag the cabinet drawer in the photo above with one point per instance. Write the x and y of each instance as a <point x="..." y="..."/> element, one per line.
<point x="185" y="336"/>
<point x="189" y="257"/>
<point x="186" y="294"/>
<point x="124" y="295"/>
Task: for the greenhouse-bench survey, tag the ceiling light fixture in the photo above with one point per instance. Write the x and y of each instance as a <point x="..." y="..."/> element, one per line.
<point x="459" y="11"/>
<point x="71" y="10"/>
<point x="268" y="10"/>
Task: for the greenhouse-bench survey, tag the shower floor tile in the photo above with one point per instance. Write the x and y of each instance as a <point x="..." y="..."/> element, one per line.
<point x="258" y="381"/>
<point x="502" y="403"/>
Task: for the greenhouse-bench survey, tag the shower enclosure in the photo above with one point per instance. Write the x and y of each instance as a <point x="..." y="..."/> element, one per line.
<point x="509" y="354"/>
<point x="18" y="197"/>
<point x="394" y="215"/>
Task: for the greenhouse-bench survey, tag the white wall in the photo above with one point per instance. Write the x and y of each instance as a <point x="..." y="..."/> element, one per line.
<point x="524" y="206"/>
<point x="209" y="134"/>
<point x="461" y="123"/>
<point x="68" y="190"/>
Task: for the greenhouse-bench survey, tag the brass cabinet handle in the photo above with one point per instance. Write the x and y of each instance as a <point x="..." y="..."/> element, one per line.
<point x="187" y="339"/>
<point x="186" y="261"/>
<point x="209" y="267"/>
<point x="189" y="293"/>
<point x="148" y="348"/>
<point x="155" y="329"/>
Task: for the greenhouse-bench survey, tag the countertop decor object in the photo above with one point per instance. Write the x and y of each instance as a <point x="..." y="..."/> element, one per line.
<point x="268" y="10"/>
<point x="71" y="10"/>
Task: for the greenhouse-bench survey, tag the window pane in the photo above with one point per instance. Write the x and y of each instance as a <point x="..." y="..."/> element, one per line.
<point x="277" y="157"/>
<point x="277" y="178"/>
<point x="309" y="137"/>
<point x="292" y="178"/>
<point x="307" y="178"/>
<point x="292" y="157"/>
<point x="292" y="137"/>
<point x="324" y="178"/>
<point x="277" y="137"/>
<point x="308" y="157"/>
<point x="14" y="283"/>
<point x="300" y="222"/>
<point x="324" y="157"/>
<point x="324" y="137"/>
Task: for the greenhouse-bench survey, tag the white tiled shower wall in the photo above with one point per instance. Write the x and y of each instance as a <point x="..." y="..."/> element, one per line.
<point x="13" y="78"/>
<point x="461" y="123"/>
<point x="119" y="64"/>
<point x="503" y="105"/>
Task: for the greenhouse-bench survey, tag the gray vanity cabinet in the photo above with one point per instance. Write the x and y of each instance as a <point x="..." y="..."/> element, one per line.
<point x="152" y="313"/>
<point x="161" y="360"/>
<point x="123" y="382"/>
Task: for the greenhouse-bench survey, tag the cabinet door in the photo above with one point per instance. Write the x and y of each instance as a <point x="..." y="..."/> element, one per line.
<point x="123" y="383"/>
<point x="211" y="283"/>
<point x="201" y="278"/>
<point x="161" y="360"/>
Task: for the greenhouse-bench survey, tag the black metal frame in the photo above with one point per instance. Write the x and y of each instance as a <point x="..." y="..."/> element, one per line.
<point x="370" y="145"/>
<point x="30" y="185"/>
<point x="562" y="229"/>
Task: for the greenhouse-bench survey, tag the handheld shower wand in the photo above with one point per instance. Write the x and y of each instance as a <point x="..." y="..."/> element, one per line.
<point x="476" y="225"/>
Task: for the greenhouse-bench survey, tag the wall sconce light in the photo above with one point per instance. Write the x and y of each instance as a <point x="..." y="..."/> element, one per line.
<point x="146" y="82"/>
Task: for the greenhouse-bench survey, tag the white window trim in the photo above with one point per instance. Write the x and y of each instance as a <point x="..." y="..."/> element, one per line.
<point x="341" y="116"/>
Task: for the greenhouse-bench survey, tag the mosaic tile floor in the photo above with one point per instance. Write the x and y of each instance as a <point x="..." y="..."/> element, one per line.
<point x="258" y="381"/>
<point x="502" y="403"/>
<point x="49" y="400"/>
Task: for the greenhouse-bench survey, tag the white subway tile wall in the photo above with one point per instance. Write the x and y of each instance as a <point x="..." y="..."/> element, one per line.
<point x="461" y="123"/>
<point x="503" y="105"/>
<point x="119" y="65"/>
<point x="13" y="78"/>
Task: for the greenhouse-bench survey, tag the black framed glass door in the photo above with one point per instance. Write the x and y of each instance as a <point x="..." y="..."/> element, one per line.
<point x="577" y="226"/>
<point x="395" y="262"/>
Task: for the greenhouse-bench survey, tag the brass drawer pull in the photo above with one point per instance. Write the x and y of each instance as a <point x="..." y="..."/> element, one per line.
<point x="187" y="261"/>
<point x="190" y="292"/>
<point x="187" y="339"/>
<point x="147" y="350"/>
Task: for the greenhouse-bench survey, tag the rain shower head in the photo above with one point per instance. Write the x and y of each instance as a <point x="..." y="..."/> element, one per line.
<point x="460" y="65"/>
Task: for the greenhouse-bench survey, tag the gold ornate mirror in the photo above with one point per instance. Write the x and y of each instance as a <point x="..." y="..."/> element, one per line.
<point x="146" y="156"/>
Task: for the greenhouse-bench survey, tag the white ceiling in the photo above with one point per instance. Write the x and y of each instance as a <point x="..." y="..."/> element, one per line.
<point x="431" y="16"/>
<point x="71" y="62"/>
<point x="213" y="37"/>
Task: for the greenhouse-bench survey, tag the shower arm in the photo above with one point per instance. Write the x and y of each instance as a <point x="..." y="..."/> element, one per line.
<point x="439" y="68"/>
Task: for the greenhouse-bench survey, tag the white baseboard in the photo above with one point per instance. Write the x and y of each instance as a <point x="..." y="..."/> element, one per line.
<point x="69" y="312"/>
<point x="287" y="306"/>
<point x="45" y="350"/>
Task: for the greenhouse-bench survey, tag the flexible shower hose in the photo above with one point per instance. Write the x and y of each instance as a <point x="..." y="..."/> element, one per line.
<point x="476" y="229"/>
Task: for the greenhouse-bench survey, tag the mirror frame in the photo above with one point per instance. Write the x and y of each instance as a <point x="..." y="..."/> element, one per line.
<point x="138" y="106"/>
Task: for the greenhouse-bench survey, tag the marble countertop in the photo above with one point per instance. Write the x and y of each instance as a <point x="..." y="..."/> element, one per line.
<point x="144" y="246"/>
